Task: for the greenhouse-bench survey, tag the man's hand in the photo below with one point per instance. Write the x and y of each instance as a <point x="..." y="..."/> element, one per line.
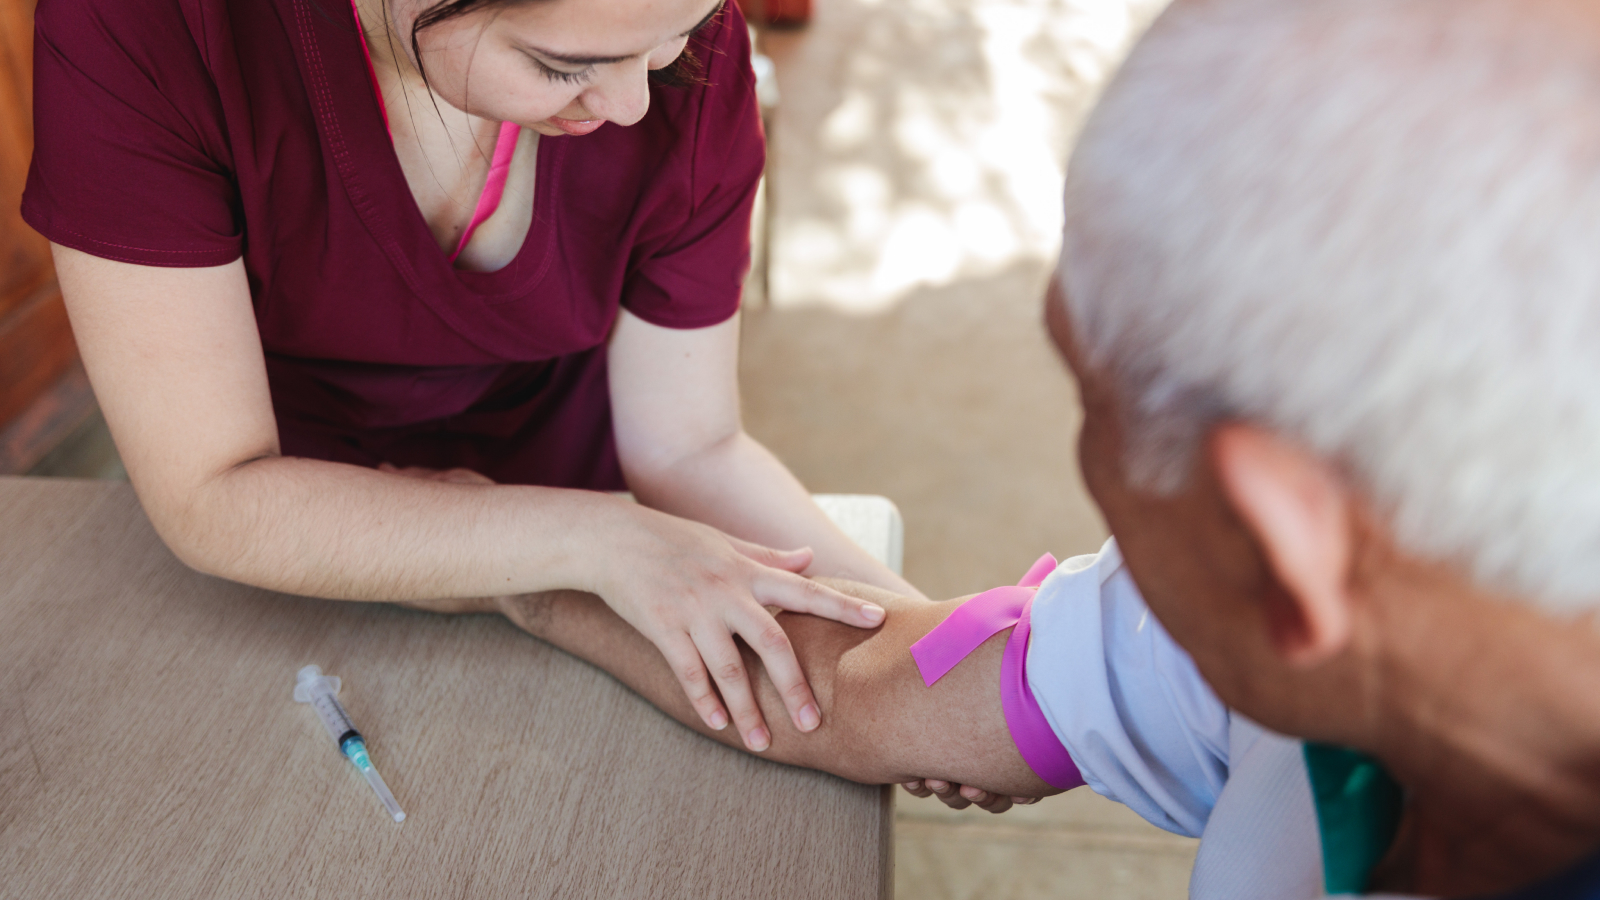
<point x="961" y="796"/>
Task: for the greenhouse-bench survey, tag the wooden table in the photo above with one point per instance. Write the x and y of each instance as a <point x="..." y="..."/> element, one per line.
<point x="149" y="747"/>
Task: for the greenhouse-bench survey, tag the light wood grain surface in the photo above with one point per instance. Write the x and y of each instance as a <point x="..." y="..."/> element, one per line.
<point x="149" y="747"/>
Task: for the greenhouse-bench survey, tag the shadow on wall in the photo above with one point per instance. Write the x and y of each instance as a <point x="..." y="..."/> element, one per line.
<point x="924" y="141"/>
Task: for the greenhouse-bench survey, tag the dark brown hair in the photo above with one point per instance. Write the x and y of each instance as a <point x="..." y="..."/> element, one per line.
<point x="682" y="72"/>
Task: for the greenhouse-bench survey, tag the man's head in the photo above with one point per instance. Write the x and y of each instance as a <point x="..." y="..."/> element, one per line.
<point x="1332" y="289"/>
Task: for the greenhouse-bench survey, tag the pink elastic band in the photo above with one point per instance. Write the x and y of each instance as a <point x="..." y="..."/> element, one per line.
<point x="505" y="147"/>
<point x="495" y="186"/>
<point x="965" y="630"/>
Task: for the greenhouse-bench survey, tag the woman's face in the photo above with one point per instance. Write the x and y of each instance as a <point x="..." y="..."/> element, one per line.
<point x="556" y="66"/>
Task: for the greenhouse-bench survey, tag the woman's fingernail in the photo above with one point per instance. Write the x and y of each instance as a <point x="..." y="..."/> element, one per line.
<point x="912" y="785"/>
<point x="757" y="739"/>
<point x="718" y="720"/>
<point x="938" y="787"/>
<point x="872" y="613"/>
<point x="809" y="717"/>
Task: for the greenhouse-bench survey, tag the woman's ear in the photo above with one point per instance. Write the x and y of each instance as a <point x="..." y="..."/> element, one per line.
<point x="1297" y="509"/>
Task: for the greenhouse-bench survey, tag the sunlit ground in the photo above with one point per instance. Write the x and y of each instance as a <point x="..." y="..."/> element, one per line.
<point x="918" y="155"/>
<point x="923" y="141"/>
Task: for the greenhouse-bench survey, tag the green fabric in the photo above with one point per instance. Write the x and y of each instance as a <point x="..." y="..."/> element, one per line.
<point x="1358" y="811"/>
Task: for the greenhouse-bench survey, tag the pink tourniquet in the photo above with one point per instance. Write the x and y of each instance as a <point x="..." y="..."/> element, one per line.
<point x="505" y="146"/>
<point x="974" y="622"/>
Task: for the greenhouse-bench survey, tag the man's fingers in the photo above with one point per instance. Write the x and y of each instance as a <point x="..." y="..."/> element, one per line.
<point x="948" y="794"/>
<point x="984" y="800"/>
<point x="802" y="595"/>
<point x="997" y="804"/>
<point x="764" y="635"/>
<point x="787" y="560"/>
<point x="686" y="664"/>
<point x="917" y="789"/>
<point x="733" y="681"/>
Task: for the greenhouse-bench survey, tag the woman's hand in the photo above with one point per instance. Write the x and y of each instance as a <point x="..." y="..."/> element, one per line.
<point x="452" y="476"/>
<point x="690" y="589"/>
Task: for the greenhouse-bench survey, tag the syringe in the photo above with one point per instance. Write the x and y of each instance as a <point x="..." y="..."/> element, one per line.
<point x="321" y="691"/>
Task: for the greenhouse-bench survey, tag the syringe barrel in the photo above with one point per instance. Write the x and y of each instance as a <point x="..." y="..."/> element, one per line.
<point x="321" y="691"/>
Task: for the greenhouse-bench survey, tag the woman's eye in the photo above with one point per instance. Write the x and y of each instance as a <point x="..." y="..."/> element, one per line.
<point x="565" y="77"/>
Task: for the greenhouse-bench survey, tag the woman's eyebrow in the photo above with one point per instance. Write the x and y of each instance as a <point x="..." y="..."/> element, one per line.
<point x="580" y="60"/>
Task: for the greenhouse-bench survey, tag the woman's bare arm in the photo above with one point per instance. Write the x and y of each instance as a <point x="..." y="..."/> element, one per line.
<point x="681" y="441"/>
<point x="178" y="367"/>
<point x="883" y="725"/>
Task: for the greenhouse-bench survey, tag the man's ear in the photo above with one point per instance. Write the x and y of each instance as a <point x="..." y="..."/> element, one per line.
<point x="1297" y="509"/>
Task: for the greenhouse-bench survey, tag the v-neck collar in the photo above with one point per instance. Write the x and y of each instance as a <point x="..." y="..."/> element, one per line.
<point x="351" y="124"/>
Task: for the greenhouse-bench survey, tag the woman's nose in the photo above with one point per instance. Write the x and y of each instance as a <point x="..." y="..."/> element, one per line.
<point x="623" y="97"/>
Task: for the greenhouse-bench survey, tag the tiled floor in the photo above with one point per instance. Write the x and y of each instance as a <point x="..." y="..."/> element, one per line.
<point x="915" y="189"/>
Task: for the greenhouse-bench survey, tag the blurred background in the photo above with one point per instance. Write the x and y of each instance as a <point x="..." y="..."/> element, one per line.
<point x="893" y="346"/>
<point x="892" y="341"/>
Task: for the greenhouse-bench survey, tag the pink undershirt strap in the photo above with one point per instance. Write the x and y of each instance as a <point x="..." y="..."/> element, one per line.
<point x="974" y="622"/>
<point x="505" y="146"/>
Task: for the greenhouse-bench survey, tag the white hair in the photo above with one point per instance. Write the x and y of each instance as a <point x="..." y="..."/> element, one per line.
<point x="1374" y="227"/>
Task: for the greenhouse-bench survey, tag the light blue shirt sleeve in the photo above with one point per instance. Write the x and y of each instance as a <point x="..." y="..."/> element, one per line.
<point x="1126" y="701"/>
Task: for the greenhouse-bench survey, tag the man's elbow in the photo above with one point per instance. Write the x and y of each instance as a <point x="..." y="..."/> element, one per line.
<point x="842" y="669"/>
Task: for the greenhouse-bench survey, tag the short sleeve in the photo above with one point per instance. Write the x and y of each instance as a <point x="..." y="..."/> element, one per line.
<point x="695" y="279"/>
<point x="1126" y="701"/>
<point x="130" y="156"/>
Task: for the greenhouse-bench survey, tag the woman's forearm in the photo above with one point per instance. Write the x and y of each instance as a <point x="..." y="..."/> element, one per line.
<point x="344" y="532"/>
<point x="738" y="486"/>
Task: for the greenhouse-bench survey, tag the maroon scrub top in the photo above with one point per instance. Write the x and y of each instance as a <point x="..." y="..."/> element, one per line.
<point x="194" y="132"/>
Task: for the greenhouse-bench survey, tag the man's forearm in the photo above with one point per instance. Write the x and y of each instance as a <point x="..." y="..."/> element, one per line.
<point x="880" y="723"/>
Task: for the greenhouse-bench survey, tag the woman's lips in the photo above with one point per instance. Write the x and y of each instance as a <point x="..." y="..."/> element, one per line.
<point x="575" y="126"/>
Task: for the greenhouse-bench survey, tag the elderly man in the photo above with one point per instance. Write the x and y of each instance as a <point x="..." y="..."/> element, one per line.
<point x="1331" y="289"/>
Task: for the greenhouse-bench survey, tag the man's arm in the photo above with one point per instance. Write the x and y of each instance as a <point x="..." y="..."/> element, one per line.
<point x="880" y="723"/>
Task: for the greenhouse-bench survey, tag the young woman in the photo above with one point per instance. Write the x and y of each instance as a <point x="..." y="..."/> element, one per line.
<point x="310" y="250"/>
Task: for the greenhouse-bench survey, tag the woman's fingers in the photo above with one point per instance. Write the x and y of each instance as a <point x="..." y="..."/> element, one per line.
<point x="917" y="788"/>
<point x="765" y="636"/>
<point x="802" y="595"/>
<point x="787" y="560"/>
<point x="732" y="679"/>
<point x="684" y="657"/>
<point x="454" y="476"/>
